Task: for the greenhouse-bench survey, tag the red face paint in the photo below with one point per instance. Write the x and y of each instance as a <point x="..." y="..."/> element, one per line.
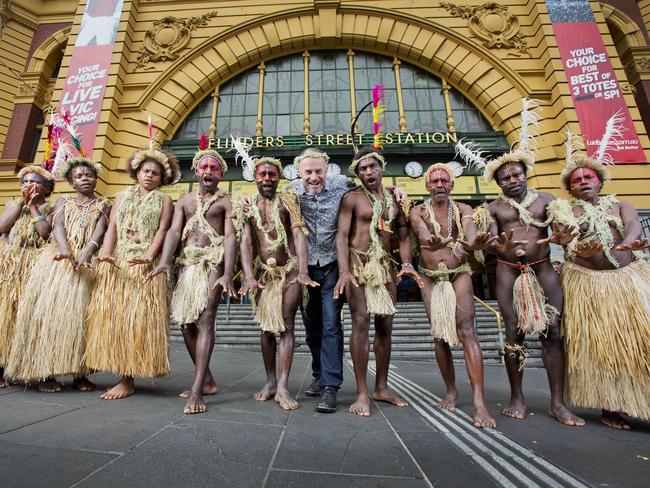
<point x="211" y="166"/>
<point x="583" y="176"/>
<point x="439" y="178"/>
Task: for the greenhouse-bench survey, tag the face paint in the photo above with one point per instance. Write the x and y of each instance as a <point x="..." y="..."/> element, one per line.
<point x="32" y="178"/>
<point x="582" y="176"/>
<point x="267" y="172"/>
<point x="209" y="165"/>
<point x="439" y="178"/>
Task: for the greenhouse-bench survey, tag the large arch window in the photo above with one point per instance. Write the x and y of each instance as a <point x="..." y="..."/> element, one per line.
<point x="313" y="92"/>
<point x="329" y="93"/>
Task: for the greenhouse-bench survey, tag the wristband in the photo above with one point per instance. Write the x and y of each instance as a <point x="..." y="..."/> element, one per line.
<point x="38" y="219"/>
<point x="95" y="244"/>
<point x="407" y="265"/>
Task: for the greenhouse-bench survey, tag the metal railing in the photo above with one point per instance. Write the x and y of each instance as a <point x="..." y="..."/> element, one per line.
<point x="499" y="324"/>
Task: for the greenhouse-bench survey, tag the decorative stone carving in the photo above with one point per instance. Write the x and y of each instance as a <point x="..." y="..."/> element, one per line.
<point x="168" y="36"/>
<point x="492" y="23"/>
<point x="640" y="65"/>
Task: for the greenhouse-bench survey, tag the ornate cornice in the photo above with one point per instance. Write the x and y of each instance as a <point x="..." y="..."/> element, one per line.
<point x="168" y="36"/>
<point x="492" y="23"/>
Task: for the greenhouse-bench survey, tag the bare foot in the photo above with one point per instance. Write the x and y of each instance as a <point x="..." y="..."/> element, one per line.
<point x="50" y="386"/>
<point x="385" y="395"/>
<point x="209" y="388"/>
<point x="194" y="404"/>
<point x="361" y="406"/>
<point x="83" y="384"/>
<point x="516" y="410"/>
<point x="269" y="391"/>
<point x="483" y="419"/>
<point x="614" y="420"/>
<point x="3" y="382"/>
<point x="449" y="401"/>
<point x="121" y="390"/>
<point x="285" y="400"/>
<point x="565" y="416"/>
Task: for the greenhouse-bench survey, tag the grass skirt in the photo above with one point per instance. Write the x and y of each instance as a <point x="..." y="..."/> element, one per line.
<point x="190" y="297"/>
<point x="373" y="274"/>
<point x="50" y="327"/>
<point x="15" y="265"/>
<point x="607" y="337"/>
<point x="127" y="322"/>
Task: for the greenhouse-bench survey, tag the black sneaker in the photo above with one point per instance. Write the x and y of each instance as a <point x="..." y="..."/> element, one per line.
<point x="314" y="388"/>
<point x="327" y="403"/>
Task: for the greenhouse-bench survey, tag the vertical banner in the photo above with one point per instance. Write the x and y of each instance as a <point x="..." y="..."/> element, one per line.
<point x="595" y="90"/>
<point x="84" y="87"/>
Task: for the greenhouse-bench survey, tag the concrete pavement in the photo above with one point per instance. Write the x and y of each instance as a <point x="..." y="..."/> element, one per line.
<point x="74" y="439"/>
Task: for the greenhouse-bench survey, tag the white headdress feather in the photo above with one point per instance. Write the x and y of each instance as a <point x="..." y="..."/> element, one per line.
<point x="613" y="130"/>
<point x="572" y="146"/>
<point x="471" y="153"/>
<point x="529" y="125"/>
<point x="242" y="157"/>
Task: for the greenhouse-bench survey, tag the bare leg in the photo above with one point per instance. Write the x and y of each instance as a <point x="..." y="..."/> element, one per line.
<point x="552" y="351"/>
<point x="50" y="385"/>
<point x="446" y="366"/>
<point x="190" y="334"/>
<point x="3" y="382"/>
<point x="505" y="283"/>
<point x="267" y="340"/>
<point x="382" y="347"/>
<point x="443" y="356"/>
<point x="121" y="390"/>
<point x="359" y="348"/>
<point x="290" y="304"/>
<point x="473" y="355"/>
<point x="203" y="348"/>
<point x="614" y="420"/>
<point x="82" y="383"/>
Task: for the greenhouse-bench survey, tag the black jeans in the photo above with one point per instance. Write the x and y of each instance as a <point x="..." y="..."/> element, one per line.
<point x="322" y="319"/>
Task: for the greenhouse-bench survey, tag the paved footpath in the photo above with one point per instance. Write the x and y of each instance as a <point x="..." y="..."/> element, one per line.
<point x="75" y="439"/>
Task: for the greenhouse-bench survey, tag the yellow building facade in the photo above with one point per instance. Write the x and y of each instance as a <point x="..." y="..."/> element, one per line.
<point x="288" y="74"/>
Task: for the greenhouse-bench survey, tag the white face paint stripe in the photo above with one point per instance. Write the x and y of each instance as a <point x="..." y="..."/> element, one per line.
<point x="422" y="399"/>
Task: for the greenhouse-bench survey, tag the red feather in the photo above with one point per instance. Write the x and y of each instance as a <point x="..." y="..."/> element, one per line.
<point x="203" y="142"/>
<point x="66" y="117"/>
<point x="377" y="94"/>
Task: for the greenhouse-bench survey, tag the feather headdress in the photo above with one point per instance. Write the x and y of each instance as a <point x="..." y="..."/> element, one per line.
<point x="600" y="159"/>
<point x="525" y="150"/>
<point x="453" y="168"/>
<point x="378" y="109"/>
<point x="167" y="160"/>
<point x="205" y="150"/>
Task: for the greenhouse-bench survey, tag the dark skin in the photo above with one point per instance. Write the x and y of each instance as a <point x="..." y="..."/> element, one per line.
<point x="33" y="194"/>
<point x="433" y="251"/>
<point x="515" y="239"/>
<point x="199" y="337"/>
<point x="149" y="177"/>
<point x="267" y="177"/>
<point x="585" y="184"/>
<point x="83" y="181"/>
<point x="354" y="232"/>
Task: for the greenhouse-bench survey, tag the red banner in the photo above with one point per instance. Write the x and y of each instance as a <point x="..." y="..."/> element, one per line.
<point x="83" y="91"/>
<point x="595" y="90"/>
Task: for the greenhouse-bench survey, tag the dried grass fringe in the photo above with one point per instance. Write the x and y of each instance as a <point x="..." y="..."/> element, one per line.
<point x="268" y="306"/>
<point x="127" y="322"/>
<point x="607" y="337"/>
<point x="373" y="276"/>
<point x="50" y="327"/>
<point x="15" y="266"/>
<point x="534" y="314"/>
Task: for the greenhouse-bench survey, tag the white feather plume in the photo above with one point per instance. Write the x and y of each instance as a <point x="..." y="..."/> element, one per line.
<point x="61" y="157"/>
<point x="529" y="125"/>
<point x="572" y="146"/>
<point x="613" y="130"/>
<point x="471" y="153"/>
<point x="242" y="157"/>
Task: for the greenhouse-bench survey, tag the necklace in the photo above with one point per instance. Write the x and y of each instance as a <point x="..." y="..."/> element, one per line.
<point x="85" y="211"/>
<point x="378" y="207"/>
<point x="525" y="216"/>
